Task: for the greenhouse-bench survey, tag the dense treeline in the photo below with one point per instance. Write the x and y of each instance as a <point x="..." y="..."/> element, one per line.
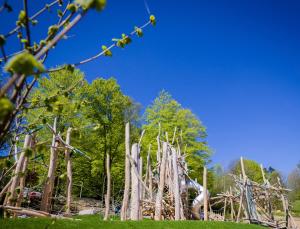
<point x="97" y="113"/>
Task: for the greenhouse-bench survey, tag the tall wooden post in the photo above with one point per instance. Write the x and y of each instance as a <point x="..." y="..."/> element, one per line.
<point x="127" y="173"/>
<point x="69" y="172"/>
<point x="135" y="185"/>
<point x="108" y="188"/>
<point x="176" y="185"/>
<point x="49" y="185"/>
<point x="161" y="185"/>
<point x="205" y="206"/>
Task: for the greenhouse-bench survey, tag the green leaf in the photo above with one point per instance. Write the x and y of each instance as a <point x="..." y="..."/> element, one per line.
<point x="126" y="39"/>
<point x="70" y="67"/>
<point x="24" y="63"/>
<point x="43" y="43"/>
<point x="107" y="52"/>
<point x="24" y="40"/>
<point x="59" y="13"/>
<point x="28" y="152"/>
<point x="72" y="8"/>
<point x="22" y="18"/>
<point x="34" y="22"/>
<point x="138" y="31"/>
<point x="152" y="19"/>
<point x="52" y="31"/>
<point x="98" y="5"/>
<point x="6" y="107"/>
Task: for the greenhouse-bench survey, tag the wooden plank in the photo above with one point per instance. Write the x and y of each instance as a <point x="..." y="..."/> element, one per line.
<point x="205" y="205"/>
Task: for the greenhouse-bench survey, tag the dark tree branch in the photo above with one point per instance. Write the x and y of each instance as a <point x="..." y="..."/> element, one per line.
<point x="28" y="43"/>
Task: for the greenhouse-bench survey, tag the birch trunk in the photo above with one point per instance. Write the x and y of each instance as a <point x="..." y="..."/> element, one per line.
<point x="69" y="172"/>
<point x="127" y="173"/>
<point x="49" y="185"/>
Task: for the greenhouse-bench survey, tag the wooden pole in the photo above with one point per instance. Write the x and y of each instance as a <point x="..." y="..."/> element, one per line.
<point x="108" y="192"/>
<point x="22" y="182"/>
<point x="205" y="206"/>
<point x="240" y="205"/>
<point x="176" y="184"/>
<point x="243" y="169"/>
<point x="224" y="211"/>
<point x="149" y="173"/>
<point x="12" y="198"/>
<point x="135" y="185"/>
<point x="69" y="172"/>
<point x="127" y="173"/>
<point x="49" y="185"/>
<point x="232" y="212"/>
<point x="140" y="163"/>
<point x="268" y="200"/>
<point x="161" y="185"/>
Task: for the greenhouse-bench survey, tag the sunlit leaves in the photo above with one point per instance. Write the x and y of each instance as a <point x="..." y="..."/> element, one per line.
<point x="72" y="8"/>
<point x="24" y="63"/>
<point x="6" y="107"/>
<point x="138" y="31"/>
<point x="152" y="19"/>
<point x="106" y="51"/>
<point x="22" y="18"/>
<point x="52" y="31"/>
<point x="98" y="5"/>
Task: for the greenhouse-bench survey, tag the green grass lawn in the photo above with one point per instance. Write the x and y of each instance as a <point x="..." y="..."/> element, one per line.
<point x="95" y="222"/>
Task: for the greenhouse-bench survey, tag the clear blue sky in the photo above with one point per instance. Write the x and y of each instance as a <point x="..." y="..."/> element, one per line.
<point x="235" y="64"/>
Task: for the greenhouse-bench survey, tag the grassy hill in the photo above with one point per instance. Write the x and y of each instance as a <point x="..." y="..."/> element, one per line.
<point x="95" y="222"/>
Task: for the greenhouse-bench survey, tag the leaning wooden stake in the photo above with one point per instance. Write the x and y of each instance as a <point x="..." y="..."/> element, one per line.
<point x="150" y="175"/>
<point x="205" y="206"/>
<point x="49" y="185"/>
<point x="135" y="185"/>
<point x="224" y="210"/>
<point x="22" y="182"/>
<point x="16" y="179"/>
<point x="127" y="173"/>
<point x="176" y="185"/>
<point x="158" y="203"/>
<point x="232" y="212"/>
<point x="108" y="188"/>
<point x="69" y="172"/>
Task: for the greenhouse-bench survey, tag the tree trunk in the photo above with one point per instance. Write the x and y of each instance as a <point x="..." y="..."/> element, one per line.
<point x="127" y="174"/>
<point x="135" y="185"/>
<point x="107" y="196"/>
<point x="69" y="173"/>
<point x="49" y="185"/>
<point x="159" y="196"/>
<point x="15" y="180"/>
